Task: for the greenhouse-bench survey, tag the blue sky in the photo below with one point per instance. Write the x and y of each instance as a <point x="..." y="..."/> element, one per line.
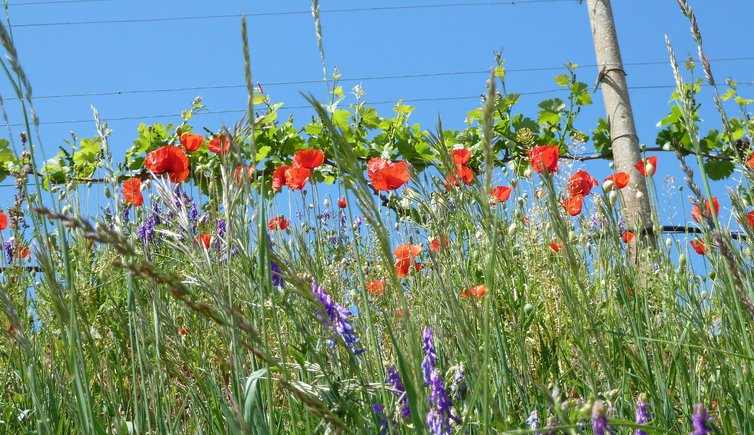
<point x="206" y="52"/>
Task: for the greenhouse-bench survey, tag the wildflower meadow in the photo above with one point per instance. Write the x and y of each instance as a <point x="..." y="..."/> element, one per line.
<point x="354" y="272"/>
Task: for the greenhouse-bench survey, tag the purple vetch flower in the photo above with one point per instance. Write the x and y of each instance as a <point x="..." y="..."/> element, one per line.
<point x="439" y="416"/>
<point x="146" y="231"/>
<point x="342" y="219"/>
<point x="642" y="413"/>
<point x="156" y="212"/>
<point x="599" y="420"/>
<point x="394" y="379"/>
<point x="325" y="216"/>
<point x="379" y="411"/>
<point x="533" y="421"/>
<point x="125" y="215"/>
<point x="277" y="279"/>
<point x="222" y="227"/>
<point x="193" y="213"/>
<point x="700" y="420"/>
<point x="8" y="248"/>
<point x="357" y="223"/>
<point x="339" y="319"/>
<point x="430" y="357"/>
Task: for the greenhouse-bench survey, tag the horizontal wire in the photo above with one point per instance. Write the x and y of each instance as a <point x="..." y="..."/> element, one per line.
<point x="374" y="103"/>
<point x="348" y="79"/>
<point x="55" y="2"/>
<point x="288" y="13"/>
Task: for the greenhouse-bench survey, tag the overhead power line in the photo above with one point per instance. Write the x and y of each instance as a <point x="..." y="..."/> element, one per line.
<point x="291" y="13"/>
<point x="55" y="2"/>
<point x="345" y="80"/>
<point x="371" y="103"/>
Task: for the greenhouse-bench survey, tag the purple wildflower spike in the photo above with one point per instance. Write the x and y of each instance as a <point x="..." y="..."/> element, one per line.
<point x="700" y="420"/>
<point x="599" y="420"/>
<point x="394" y="379"/>
<point x="439" y="416"/>
<point x="338" y="319"/>
<point x="642" y="413"/>
<point x="430" y="357"/>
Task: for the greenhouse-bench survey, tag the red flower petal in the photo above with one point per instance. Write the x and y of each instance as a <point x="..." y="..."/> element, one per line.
<point x="500" y="194"/>
<point x="407" y="250"/>
<point x="295" y="178"/>
<point x="619" y="180"/>
<point x="278" y="223"/>
<point x="544" y="157"/>
<point x="219" y="144"/>
<point x="204" y="240"/>
<point x="647" y="168"/>
<point x="390" y="177"/>
<point x="696" y="213"/>
<point x="375" y="287"/>
<point x="132" y="192"/>
<point x="461" y="156"/>
<point x="168" y="159"/>
<point x="191" y="142"/>
<point x="627" y="236"/>
<point x="581" y="183"/>
<point x="573" y="204"/>
<point x="278" y="177"/>
<point x="3" y="220"/>
<point x="698" y="245"/>
<point x="309" y="159"/>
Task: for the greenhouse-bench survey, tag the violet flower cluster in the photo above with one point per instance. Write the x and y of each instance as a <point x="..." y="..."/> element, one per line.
<point x="394" y="379"/>
<point x="430" y="357"/>
<point x="338" y="319"/>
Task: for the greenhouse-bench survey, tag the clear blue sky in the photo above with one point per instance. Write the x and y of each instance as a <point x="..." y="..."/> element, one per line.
<point x="128" y="56"/>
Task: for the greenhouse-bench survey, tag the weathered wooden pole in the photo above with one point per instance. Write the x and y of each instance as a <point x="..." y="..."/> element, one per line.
<point x="620" y="117"/>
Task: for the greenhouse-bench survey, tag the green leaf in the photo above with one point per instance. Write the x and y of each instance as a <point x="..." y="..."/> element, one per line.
<point x="263" y="152"/>
<point x="340" y="118"/>
<point x="499" y="71"/>
<point x="403" y="109"/>
<point x="730" y="93"/>
<point x="259" y="99"/>
<point x="718" y="169"/>
<point x="551" y="111"/>
<point x="563" y="80"/>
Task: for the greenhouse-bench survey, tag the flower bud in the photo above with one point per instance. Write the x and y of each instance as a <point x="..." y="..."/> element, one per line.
<point x="613" y="197"/>
<point x="527" y="172"/>
<point x="326" y="202"/>
<point x="649" y="169"/>
<point x="512" y="229"/>
<point x="608" y="186"/>
<point x="668" y="243"/>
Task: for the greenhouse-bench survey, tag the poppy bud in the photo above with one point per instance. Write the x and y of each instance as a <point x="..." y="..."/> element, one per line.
<point x="682" y="260"/>
<point x="712" y="275"/>
<point x="527" y="172"/>
<point x="512" y="229"/>
<point x="528" y="308"/>
<point x="108" y="194"/>
<point x="539" y="193"/>
<point x="669" y="243"/>
<point x="649" y="169"/>
<point x="613" y="197"/>
<point x="608" y="186"/>
<point x="342" y="203"/>
<point x="326" y="202"/>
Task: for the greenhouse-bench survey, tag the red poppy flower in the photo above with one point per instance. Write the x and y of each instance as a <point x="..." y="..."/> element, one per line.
<point x="377" y="164"/>
<point x="696" y="213"/>
<point x="500" y="194"/>
<point x="544" y="157"/>
<point x="749" y="217"/>
<point x="309" y="159"/>
<point x="461" y="156"/>
<point x="573" y="204"/>
<point x="342" y="202"/>
<point x="3" y="220"/>
<point x="698" y="245"/>
<point x="462" y="173"/>
<point x="389" y="177"/>
<point x="750" y="162"/>
<point x="132" y="192"/>
<point x="627" y="236"/>
<point x="295" y="178"/>
<point x="22" y="251"/>
<point x="278" y="223"/>
<point x="238" y="174"/>
<point x="647" y="168"/>
<point x="400" y="313"/>
<point x="183" y="331"/>
<point x="476" y="291"/>
<point x="278" y="177"/>
<point x="168" y="159"/>
<point x="618" y="180"/>
<point x="204" y="240"/>
<point x="581" y="183"/>
<point x="556" y="246"/>
<point x="435" y="245"/>
<point x="219" y="144"/>
<point x="407" y="250"/>
<point x="191" y="142"/>
<point x="403" y="267"/>
<point x="375" y="287"/>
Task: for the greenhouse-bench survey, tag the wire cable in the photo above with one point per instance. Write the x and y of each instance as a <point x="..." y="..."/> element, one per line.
<point x="347" y="80"/>
<point x="290" y="13"/>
